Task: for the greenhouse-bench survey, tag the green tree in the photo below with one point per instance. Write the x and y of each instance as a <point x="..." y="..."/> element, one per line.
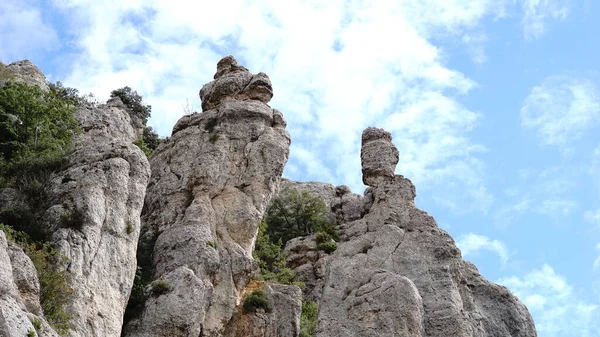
<point x="295" y="213"/>
<point x="151" y="138"/>
<point x="133" y="100"/>
<point x="34" y="124"/>
<point x="270" y="259"/>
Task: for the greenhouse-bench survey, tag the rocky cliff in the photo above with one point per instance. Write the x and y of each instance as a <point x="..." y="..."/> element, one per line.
<point x="94" y="211"/>
<point x="192" y="213"/>
<point x="211" y="183"/>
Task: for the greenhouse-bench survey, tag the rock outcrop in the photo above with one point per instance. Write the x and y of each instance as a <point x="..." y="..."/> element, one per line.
<point x="94" y="217"/>
<point x="24" y="71"/>
<point x="282" y="320"/>
<point x="101" y="193"/>
<point x="396" y="273"/>
<point x="19" y="294"/>
<point x="210" y="185"/>
<point x="196" y="217"/>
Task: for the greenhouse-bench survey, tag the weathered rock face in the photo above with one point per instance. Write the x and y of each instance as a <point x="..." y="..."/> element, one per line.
<point x="282" y="321"/>
<point x="24" y="71"/>
<point x="96" y="202"/>
<point x="19" y="293"/>
<point x="399" y="274"/>
<point x="210" y="186"/>
<point x="100" y="195"/>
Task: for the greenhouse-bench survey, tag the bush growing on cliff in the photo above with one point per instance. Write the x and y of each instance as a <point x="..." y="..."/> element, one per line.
<point x="133" y="100"/>
<point x="257" y="300"/>
<point x="36" y="127"/>
<point x="160" y="287"/>
<point x="295" y="213"/>
<point x="55" y="281"/>
<point x="270" y="258"/>
<point x="308" y="318"/>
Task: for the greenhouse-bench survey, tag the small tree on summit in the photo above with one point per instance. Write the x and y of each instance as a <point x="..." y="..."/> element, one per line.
<point x="133" y="100"/>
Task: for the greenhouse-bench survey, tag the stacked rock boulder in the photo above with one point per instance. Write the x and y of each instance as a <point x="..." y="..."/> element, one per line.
<point x="396" y="273"/>
<point x="211" y="183"/>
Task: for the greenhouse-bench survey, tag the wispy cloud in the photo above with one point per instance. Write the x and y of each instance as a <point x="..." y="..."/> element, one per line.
<point x="549" y="192"/>
<point x="596" y="264"/>
<point x="336" y="66"/>
<point x="556" y="308"/>
<point x="537" y="13"/>
<point x="593" y="217"/>
<point x="561" y="109"/>
<point x="24" y="32"/>
<point x="471" y="244"/>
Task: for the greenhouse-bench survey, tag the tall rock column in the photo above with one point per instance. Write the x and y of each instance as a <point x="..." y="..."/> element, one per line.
<point x="97" y="201"/>
<point x="210" y="186"/>
<point x="399" y="274"/>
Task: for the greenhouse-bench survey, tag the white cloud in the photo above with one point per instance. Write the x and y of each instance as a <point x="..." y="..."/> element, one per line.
<point x="561" y="109"/>
<point x="549" y="192"/>
<point x="592" y="217"/>
<point x="471" y="244"/>
<point x="537" y="13"/>
<point x="336" y="67"/>
<point x="557" y="310"/>
<point x="24" y="33"/>
<point x="596" y="264"/>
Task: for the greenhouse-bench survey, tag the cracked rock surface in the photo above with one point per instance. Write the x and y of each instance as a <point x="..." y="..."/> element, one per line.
<point x="396" y="273"/>
<point x="211" y="183"/>
<point x="101" y="193"/>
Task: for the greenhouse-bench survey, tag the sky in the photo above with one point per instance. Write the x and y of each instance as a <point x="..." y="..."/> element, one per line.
<point x="494" y="106"/>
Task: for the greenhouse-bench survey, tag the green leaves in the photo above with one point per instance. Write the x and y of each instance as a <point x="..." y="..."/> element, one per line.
<point x="295" y="213"/>
<point x="55" y="282"/>
<point x="35" y="126"/>
<point x="133" y="100"/>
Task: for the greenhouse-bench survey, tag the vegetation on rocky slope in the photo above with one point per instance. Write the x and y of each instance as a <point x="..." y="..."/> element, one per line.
<point x="291" y="214"/>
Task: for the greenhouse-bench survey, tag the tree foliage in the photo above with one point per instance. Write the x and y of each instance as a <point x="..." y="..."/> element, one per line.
<point x="295" y="213"/>
<point x="35" y="125"/>
<point x="308" y="318"/>
<point x="133" y="101"/>
<point x="270" y="259"/>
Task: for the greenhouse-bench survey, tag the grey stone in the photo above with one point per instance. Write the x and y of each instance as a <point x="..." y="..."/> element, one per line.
<point x="19" y="293"/>
<point x="211" y="183"/>
<point x="100" y="195"/>
<point x="398" y="273"/>
<point x="282" y="321"/>
<point x="378" y="156"/>
<point x="234" y="82"/>
<point x="24" y="71"/>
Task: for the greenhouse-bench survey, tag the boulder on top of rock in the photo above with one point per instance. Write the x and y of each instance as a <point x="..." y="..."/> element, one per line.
<point x="234" y="82"/>
<point x="378" y="155"/>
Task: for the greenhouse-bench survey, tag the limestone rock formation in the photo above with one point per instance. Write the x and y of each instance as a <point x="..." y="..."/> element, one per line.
<point x="210" y="185"/>
<point x="398" y="274"/>
<point x="101" y="194"/>
<point x="19" y="293"/>
<point x="282" y="320"/>
<point x="24" y="71"/>
<point x="394" y="273"/>
<point x="96" y="202"/>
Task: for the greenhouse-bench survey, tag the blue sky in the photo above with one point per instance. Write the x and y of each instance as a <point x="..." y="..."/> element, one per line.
<point x="494" y="106"/>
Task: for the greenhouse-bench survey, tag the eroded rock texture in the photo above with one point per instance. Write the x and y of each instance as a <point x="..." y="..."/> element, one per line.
<point x="19" y="293"/>
<point x="24" y="71"/>
<point x="396" y="273"/>
<point x="282" y="321"/>
<point x="210" y="186"/>
<point x="95" y="216"/>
